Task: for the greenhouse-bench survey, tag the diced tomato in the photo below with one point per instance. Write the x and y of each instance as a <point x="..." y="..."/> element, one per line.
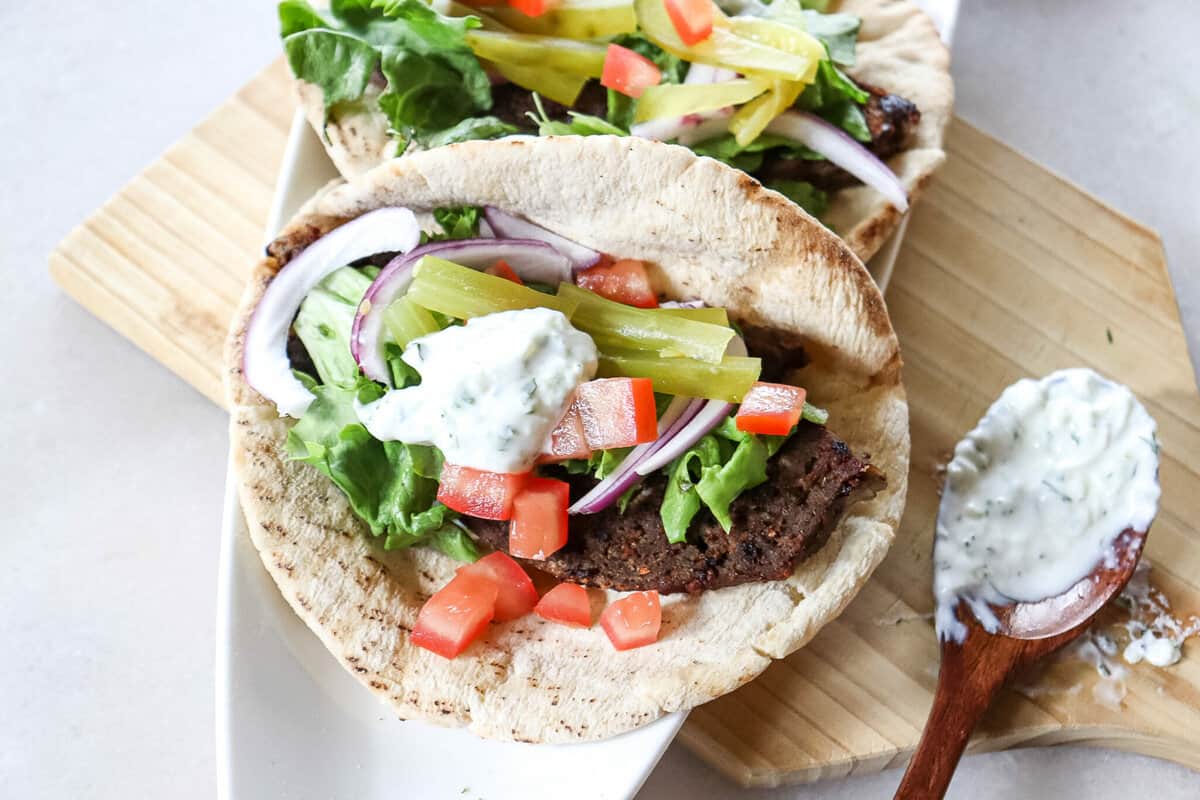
<point x="456" y="615"/>
<point x="533" y="8"/>
<point x="567" y="440"/>
<point x="628" y="72"/>
<point x="770" y="408"/>
<point x="617" y="412"/>
<point x="693" y="19"/>
<point x="539" y="519"/>
<point x="479" y="493"/>
<point x="501" y="269"/>
<point x="625" y="281"/>
<point x="633" y="621"/>
<point x="517" y="596"/>
<point x="566" y="603"/>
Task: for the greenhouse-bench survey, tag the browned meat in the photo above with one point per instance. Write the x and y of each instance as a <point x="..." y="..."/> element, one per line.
<point x="780" y="351"/>
<point x="811" y="481"/>
<point x="890" y="118"/>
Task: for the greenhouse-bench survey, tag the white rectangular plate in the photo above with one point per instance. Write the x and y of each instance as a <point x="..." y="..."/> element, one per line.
<point x="291" y="722"/>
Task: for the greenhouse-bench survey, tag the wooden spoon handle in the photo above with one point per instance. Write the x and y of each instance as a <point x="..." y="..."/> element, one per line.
<point x="970" y="676"/>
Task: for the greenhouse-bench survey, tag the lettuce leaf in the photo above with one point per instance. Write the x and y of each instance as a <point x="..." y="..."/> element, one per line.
<point x="341" y="64"/>
<point x="324" y="322"/>
<point x="391" y="486"/>
<point x="714" y="473"/>
<point x="434" y="81"/>
<point x="838" y="32"/>
<point x="469" y="128"/>
<point x="803" y="194"/>
<point x="577" y="124"/>
<point x="298" y="15"/>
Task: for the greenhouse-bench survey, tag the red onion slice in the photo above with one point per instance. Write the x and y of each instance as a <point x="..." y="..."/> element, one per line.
<point x="265" y="362"/>
<point x="842" y="149"/>
<point x="705" y="419"/>
<point x="507" y="226"/>
<point x="530" y="259"/>
<point x="609" y="490"/>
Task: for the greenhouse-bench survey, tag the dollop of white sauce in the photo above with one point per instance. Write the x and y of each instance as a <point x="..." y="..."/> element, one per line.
<point x="491" y="390"/>
<point x="1038" y="492"/>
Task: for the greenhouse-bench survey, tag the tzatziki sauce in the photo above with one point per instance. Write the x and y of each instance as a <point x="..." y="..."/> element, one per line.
<point x="1037" y="494"/>
<point x="491" y="390"/>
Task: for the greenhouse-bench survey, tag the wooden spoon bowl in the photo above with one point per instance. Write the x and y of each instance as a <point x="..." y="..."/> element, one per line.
<point x="973" y="671"/>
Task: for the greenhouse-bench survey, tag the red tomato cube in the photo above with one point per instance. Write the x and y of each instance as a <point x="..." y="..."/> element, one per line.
<point x="501" y="269"/>
<point x="633" y="621"/>
<point x="533" y="8"/>
<point x="617" y="412"/>
<point x="479" y="493"/>
<point x="539" y="519"/>
<point x="770" y="408"/>
<point x="692" y="19"/>
<point x="567" y="440"/>
<point x="566" y="603"/>
<point x="628" y="72"/>
<point x="625" y="281"/>
<point x="516" y="596"/>
<point x="456" y="615"/>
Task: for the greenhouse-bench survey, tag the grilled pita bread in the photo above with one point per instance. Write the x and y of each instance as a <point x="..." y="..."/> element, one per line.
<point x="709" y="232"/>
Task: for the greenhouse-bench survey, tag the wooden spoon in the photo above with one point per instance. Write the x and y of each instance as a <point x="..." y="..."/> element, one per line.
<point x="973" y="671"/>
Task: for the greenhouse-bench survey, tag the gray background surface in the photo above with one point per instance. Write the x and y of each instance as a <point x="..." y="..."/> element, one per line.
<point x="111" y="473"/>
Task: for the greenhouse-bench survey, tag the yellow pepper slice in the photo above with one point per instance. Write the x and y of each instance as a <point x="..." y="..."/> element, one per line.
<point x="676" y="100"/>
<point x="749" y="121"/>
<point x="561" y="87"/>
<point x="574" y="19"/>
<point x="724" y="48"/>
<point x="543" y="52"/>
<point x="782" y="37"/>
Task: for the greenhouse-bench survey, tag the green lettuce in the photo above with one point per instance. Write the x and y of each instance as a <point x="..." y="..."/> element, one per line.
<point x="324" y="322"/>
<point x="391" y="486"/>
<point x="461" y="222"/>
<point x="715" y="472"/>
<point x="803" y="194"/>
<point x="471" y="128"/>
<point x="577" y="124"/>
<point x="433" y="79"/>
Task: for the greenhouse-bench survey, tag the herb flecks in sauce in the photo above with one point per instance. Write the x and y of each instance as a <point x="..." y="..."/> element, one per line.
<point x="1046" y="481"/>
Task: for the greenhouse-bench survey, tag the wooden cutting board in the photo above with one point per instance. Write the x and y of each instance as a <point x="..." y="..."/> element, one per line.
<point x="1007" y="271"/>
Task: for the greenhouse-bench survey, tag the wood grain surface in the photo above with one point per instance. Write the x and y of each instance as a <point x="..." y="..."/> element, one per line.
<point x="1007" y="271"/>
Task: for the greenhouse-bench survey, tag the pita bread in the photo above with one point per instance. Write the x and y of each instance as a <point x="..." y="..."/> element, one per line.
<point x="709" y="232"/>
<point x="899" y="50"/>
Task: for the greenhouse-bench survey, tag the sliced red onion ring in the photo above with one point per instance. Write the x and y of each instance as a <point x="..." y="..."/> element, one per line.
<point x="841" y="148"/>
<point x="609" y="490"/>
<point x="703" y="421"/>
<point x="530" y="259"/>
<point x="265" y="362"/>
<point x="507" y="226"/>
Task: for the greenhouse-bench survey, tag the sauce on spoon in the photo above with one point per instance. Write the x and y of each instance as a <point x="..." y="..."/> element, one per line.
<point x="1038" y="493"/>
